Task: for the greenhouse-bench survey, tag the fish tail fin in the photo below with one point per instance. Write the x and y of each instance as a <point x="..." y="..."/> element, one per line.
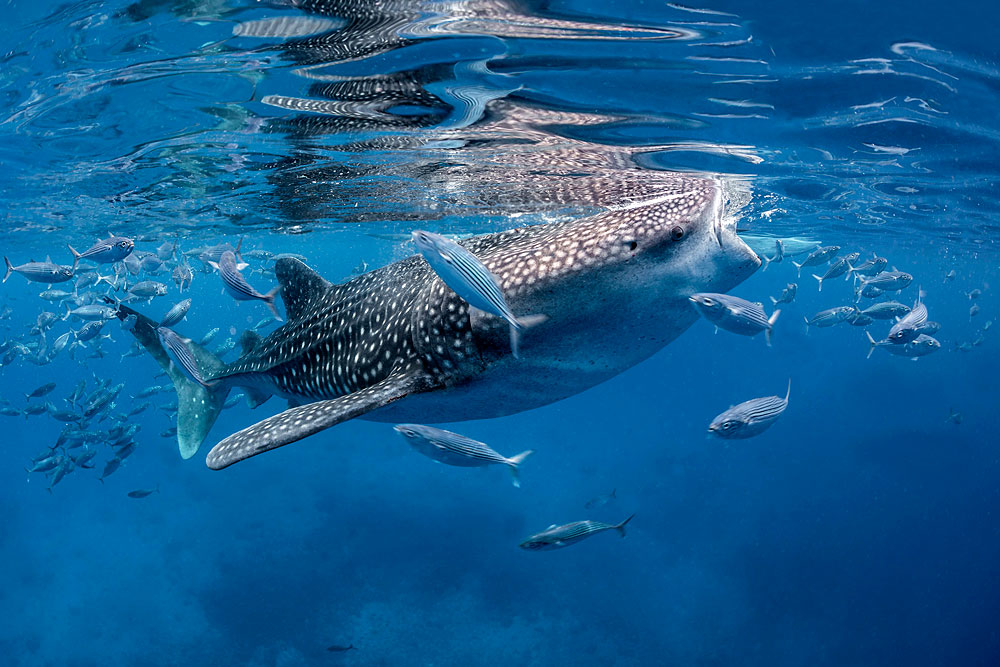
<point x="850" y="270"/>
<point x="765" y="262"/>
<point x="519" y="324"/>
<point x="798" y="266"/>
<point x="871" y="344"/>
<point x="770" y="326"/>
<point x="269" y="300"/>
<point x="621" y="527"/>
<point x="789" y="391"/>
<point x="774" y="302"/>
<point x="198" y="406"/>
<point x="76" y="256"/>
<point x="514" y="462"/>
<point x="820" y="279"/>
<point x="10" y="269"/>
<point x="68" y="312"/>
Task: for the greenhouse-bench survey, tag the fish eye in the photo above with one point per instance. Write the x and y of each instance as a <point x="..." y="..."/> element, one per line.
<point x="708" y="301"/>
<point x="728" y="425"/>
<point x="677" y="233"/>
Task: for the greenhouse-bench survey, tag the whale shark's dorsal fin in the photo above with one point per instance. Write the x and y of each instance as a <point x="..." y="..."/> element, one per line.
<point x="296" y="423"/>
<point x="300" y="286"/>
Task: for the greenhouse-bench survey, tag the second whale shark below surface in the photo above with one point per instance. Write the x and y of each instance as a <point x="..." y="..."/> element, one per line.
<point x="396" y="344"/>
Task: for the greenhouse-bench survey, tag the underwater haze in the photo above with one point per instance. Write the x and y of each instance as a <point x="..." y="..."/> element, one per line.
<point x="646" y="152"/>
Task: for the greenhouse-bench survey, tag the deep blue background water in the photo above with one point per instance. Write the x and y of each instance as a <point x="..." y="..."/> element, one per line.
<point x="860" y="529"/>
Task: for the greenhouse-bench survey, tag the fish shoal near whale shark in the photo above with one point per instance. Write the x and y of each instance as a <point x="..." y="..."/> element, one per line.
<point x="397" y="345"/>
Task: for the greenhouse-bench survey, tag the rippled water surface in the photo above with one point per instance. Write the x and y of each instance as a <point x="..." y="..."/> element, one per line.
<point x="859" y="530"/>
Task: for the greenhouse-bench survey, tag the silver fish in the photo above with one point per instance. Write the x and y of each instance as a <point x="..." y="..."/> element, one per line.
<point x="787" y="294"/>
<point x="457" y="450"/>
<point x="38" y="392"/>
<point x="237" y="286"/>
<point x="93" y="312"/>
<point x="838" y="267"/>
<point x="111" y="249"/>
<point x="142" y="493"/>
<point x="109" y="467"/>
<point x="557" y="537"/>
<point x="40" y="272"/>
<point x="886" y="310"/>
<point x="871" y="267"/>
<point x="89" y="331"/>
<point x="908" y="328"/>
<point x="817" y="257"/>
<point x="830" y="316"/>
<point x="182" y="276"/>
<point x="974" y="294"/>
<point x="974" y="310"/>
<point x="750" y="418"/>
<point x="920" y="346"/>
<point x="147" y="289"/>
<point x="177" y="348"/>
<point x="735" y="314"/>
<point x="176" y="313"/>
<point x="888" y="281"/>
<point x="469" y="278"/>
<point x="54" y="295"/>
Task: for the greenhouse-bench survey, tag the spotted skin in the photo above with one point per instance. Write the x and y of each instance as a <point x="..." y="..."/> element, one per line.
<point x="359" y="348"/>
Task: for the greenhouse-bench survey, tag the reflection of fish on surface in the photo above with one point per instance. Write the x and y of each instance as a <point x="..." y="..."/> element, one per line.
<point x="399" y="333"/>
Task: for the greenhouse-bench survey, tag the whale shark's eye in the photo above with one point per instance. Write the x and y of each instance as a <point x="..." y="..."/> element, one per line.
<point x="677" y="233"/>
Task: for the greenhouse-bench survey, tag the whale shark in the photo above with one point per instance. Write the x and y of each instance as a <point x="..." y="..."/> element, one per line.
<point x="397" y="345"/>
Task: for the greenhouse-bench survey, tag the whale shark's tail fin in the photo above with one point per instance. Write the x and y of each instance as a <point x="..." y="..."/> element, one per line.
<point x="197" y="406"/>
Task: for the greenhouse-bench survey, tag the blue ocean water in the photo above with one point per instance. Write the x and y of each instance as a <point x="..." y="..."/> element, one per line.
<point x="860" y="529"/>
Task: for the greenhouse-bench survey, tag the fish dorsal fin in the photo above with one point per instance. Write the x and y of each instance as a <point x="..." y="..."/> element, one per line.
<point x="300" y="286"/>
<point x="249" y="341"/>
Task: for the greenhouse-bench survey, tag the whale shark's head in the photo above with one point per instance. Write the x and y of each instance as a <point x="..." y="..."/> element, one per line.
<point x="681" y="242"/>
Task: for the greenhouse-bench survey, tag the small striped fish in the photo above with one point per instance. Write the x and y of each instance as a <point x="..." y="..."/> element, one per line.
<point x="750" y="418"/>
<point x="818" y="256"/>
<point x="236" y="284"/>
<point x="456" y="450"/>
<point x="837" y="268"/>
<point x="471" y="280"/>
<point x="40" y="272"/>
<point x="176" y="313"/>
<point x="920" y="346"/>
<point x="111" y="249"/>
<point x="177" y="348"/>
<point x="911" y="326"/>
<point x="830" y="317"/>
<point x="557" y="537"/>
<point x="735" y="314"/>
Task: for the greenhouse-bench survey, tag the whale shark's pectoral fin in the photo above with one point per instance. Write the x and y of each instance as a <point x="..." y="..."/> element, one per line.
<point x="297" y="423"/>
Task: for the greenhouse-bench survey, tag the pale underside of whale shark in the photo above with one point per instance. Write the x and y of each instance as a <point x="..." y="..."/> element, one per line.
<point x="396" y="344"/>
